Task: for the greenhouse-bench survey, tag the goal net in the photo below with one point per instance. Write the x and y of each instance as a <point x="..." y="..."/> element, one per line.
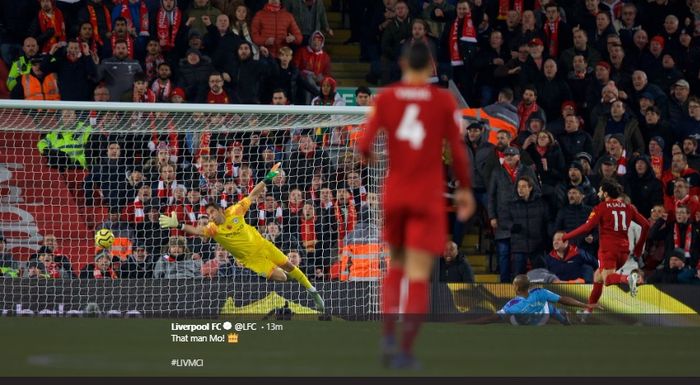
<point x="69" y="169"/>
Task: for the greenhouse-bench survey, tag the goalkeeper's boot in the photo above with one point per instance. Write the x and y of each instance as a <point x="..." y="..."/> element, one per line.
<point x="318" y="301"/>
<point x="405" y="361"/>
<point x="634" y="280"/>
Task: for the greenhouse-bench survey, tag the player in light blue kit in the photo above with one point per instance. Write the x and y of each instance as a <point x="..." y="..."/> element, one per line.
<point x="532" y="306"/>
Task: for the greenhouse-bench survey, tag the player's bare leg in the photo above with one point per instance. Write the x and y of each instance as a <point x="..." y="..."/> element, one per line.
<point x="391" y="297"/>
<point x="417" y="270"/>
<point x="286" y="270"/>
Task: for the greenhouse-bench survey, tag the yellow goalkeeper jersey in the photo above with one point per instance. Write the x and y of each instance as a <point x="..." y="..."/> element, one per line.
<point x="235" y="235"/>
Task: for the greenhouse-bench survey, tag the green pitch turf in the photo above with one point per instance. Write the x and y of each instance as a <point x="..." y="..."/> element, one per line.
<point x="143" y="347"/>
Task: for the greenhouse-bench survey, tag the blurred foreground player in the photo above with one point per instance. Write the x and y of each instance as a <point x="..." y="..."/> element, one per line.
<point x="417" y="118"/>
<point x="229" y="229"/>
<point x="613" y="218"/>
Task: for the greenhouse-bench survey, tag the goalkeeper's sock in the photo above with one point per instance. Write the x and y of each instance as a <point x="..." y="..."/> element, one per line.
<point x="391" y="294"/>
<point x="595" y="293"/>
<point x="416" y="307"/>
<point x="300" y="277"/>
<point x="614" y="279"/>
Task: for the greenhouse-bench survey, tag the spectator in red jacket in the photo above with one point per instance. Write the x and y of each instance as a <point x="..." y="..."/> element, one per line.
<point x="314" y="63"/>
<point x="680" y="169"/>
<point x="680" y="197"/>
<point x="273" y="27"/>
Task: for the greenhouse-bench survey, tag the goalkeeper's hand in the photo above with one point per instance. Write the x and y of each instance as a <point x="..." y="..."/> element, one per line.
<point x="169" y="222"/>
<point x="274" y="171"/>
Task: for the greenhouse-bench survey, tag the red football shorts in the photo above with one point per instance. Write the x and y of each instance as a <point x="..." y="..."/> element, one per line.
<point x="415" y="227"/>
<point x="612" y="259"/>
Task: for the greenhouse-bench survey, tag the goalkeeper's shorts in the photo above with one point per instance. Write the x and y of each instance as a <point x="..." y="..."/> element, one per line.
<point x="265" y="259"/>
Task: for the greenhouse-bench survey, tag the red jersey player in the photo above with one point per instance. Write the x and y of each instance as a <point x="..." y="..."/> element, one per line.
<point x="613" y="217"/>
<point x="418" y="118"/>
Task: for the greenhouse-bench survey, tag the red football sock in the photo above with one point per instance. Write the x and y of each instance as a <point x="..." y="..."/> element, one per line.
<point x="416" y="308"/>
<point x="391" y="294"/>
<point x="614" y="279"/>
<point x="595" y="293"/>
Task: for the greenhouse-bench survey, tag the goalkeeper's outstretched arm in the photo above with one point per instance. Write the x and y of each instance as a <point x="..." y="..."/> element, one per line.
<point x="260" y="187"/>
<point x="171" y="222"/>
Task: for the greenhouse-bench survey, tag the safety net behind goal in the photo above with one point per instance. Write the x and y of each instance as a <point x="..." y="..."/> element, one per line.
<point x="69" y="169"/>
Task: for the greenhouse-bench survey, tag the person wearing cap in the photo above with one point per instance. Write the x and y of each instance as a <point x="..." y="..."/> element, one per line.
<point x="605" y="168"/>
<point x="618" y="121"/>
<point x="677" y="270"/>
<point x="575" y="178"/>
<point x="194" y="75"/>
<point x="574" y="213"/>
<point x="532" y="70"/>
<point x="501" y="191"/>
<point x="6" y="259"/>
<point x="178" y="96"/>
<point x="678" y="101"/>
<point x="574" y="140"/>
<point x="37" y="84"/>
<point x="117" y="72"/>
<point x="479" y="151"/>
<point x="586" y="161"/>
<point x="642" y="185"/>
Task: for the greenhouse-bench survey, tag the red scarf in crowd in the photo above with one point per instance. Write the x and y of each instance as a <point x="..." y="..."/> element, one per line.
<point x="54" y="21"/>
<point x="622" y="164"/>
<point x="191" y="213"/>
<point x="165" y="191"/>
<point x="167" y="28"/>
<point x="272" y="7"/>
<point x="92" y="43"/>
<point x="129" y="43"/>
<point x="307" y="229"/>
<point x="524" y="112"/>
<point x="143" y="13"/>
<point x="225" y="198"/>
<point x="162" y="90"/>
<point x="232" y="169"/>
<point x="504" y="8"/>
<point x="541" y="150"/>
<point x="93" y="21"/>
<point x="468" y="35"/>
<point x="346" y="223"/>
<point x="204" y="143"/>
<point x="52" y="270"/>
<point x="139" y="213"/>
<point x="657" y="164"/>
<point x="688" y="238"/>
<point x="512" y="171"/>
<point x="262" y="214"/>
<point x="152" y="63"/>
<point x="551" y="31"/>
<point x="295" y="208"/>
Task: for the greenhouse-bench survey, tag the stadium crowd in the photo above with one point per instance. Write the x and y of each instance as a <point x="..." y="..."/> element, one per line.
<point x="594" y="90"/>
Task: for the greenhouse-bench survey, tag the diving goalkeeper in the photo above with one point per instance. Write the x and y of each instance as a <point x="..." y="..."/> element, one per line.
<point x="244" y="242"/>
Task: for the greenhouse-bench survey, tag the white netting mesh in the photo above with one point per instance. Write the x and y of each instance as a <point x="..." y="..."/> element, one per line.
<point x="69" y="169"/>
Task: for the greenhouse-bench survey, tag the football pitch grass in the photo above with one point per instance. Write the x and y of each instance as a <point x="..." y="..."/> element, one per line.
<point x="144" y="347"/>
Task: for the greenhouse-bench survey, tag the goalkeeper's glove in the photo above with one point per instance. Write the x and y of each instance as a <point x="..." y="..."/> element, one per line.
<point x="170" y="222"/>
<point x="274" y="171"/>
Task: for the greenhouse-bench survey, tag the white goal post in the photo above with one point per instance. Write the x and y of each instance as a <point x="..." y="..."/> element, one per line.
<point x="68" y="169"/>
